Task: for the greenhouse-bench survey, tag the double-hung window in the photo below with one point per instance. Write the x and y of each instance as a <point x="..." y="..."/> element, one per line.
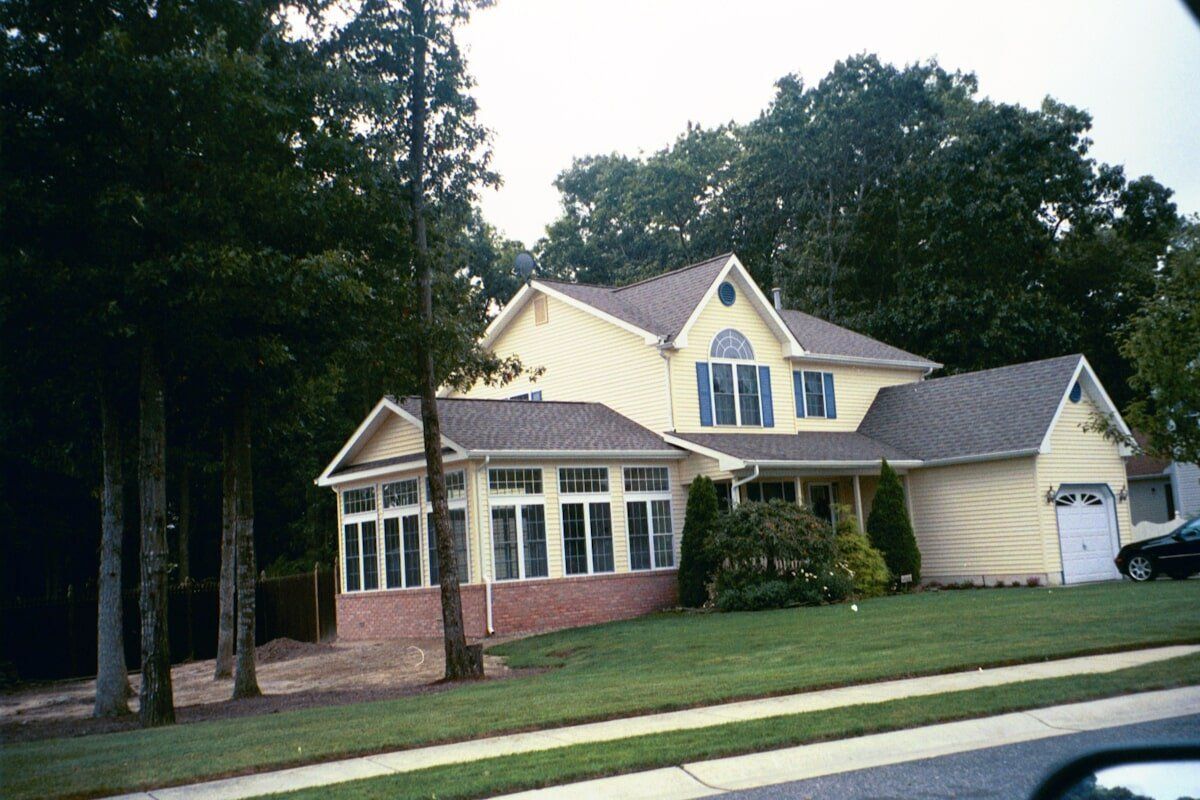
<point x="359" y="540"/>
<point x="586" y="514"/>
<point x="518" y="523"/>
<point x="456" y="499"/>
<point x="736" y="394"/>
<point x="815" y="395"/>
<point x="648" y="517"/>
<point x="401" y="534"/>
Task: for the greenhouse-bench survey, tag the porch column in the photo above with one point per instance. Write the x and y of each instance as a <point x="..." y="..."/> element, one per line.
<point x="862" y="524"/>
<point x="908" y="501"/>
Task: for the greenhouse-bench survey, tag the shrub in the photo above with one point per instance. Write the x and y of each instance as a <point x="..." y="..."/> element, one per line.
<point x="869" y="574"/>
<point x="769" y="555"/>
<point x="695" y="564"/>
<point x="890" y="528"/>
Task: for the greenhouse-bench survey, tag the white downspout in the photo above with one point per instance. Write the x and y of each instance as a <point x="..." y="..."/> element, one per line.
<point x="663" y="349"/>
<point x="491" y="553"/>
<point x="733" y="489"/>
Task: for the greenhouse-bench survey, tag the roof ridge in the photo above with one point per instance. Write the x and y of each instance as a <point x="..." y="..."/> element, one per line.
<point x="675" y="271"/>
<point x="575" y="283"/>
<point x="972" y="373"/>
<point x="505" y="400"/>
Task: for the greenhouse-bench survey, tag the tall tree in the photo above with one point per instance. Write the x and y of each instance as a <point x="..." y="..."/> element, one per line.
<point x="112" y="679"/>
<point x="245" y="680"/>
<point x="226" y="584"/>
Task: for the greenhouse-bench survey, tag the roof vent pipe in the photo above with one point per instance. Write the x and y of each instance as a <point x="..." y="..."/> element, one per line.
<point x="777" y="294"/>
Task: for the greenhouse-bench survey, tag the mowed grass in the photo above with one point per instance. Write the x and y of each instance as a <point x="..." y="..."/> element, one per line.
<point x="655" y="663"/>
<point x="581" y="762"/>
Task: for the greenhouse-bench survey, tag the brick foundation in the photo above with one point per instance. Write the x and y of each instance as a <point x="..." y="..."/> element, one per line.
<point x="517" y="607"/>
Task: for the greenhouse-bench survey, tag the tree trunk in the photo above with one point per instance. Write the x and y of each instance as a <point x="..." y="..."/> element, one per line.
<point x="245" y="681"/>
<point x="462" y="662"/>
<point x="185" y="567"/>
<point x="157" y="703"/>
<point x="226" y="597"/>
<point x="112" y="680"/>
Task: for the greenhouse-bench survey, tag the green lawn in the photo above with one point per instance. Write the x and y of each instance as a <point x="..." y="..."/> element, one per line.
<point x="655" y="663"/>
<point x="581" y="762"/>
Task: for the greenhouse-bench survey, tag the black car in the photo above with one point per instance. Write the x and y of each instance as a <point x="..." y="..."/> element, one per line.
<point x="1176" y="554"/>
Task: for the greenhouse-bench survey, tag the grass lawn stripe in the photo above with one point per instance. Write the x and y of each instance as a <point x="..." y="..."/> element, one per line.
<point x="582" y="762"/>
<point x="657" y="663"/>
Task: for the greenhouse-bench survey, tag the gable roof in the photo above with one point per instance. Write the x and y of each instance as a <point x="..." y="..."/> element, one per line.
<point x="844" y="447"/>
<point x="821" y="338"/>
<point x="1142" y="464"/>
<point x="1002" y="411"/>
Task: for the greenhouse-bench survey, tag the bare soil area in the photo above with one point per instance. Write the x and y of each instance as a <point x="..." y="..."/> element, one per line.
<point x="291" y="674"/>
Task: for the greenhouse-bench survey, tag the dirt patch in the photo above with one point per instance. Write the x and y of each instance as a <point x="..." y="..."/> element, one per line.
<point x="291" y="674"/>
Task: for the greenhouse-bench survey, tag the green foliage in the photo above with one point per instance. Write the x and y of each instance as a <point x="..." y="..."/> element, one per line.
<point x="695" y="563"/>
<point x="868" y="571"/>
<point x="760" y="547"/>
<point x="890" y="528"/>
<point x="1163" y="343"/>
<point x="898" y="202"/>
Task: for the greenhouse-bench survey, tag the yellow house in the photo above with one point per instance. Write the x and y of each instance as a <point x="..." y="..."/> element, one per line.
<point x="568" y="487"/>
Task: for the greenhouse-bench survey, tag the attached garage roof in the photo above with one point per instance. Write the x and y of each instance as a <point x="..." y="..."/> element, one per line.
<point x="797" y="447"/>
<point x="994" y="411"/>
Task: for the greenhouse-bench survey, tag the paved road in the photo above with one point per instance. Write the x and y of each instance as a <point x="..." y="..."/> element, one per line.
<point x="1010" y="772"/>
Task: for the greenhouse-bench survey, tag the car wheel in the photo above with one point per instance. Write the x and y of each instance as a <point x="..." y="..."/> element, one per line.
<point x="1141" y="568"/>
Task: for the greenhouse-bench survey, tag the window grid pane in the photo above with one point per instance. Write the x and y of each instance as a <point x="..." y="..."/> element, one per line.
<point x="504" y="536"/>
<point x="664" y="549"/>
<point x="456" y="486"/>
<point x="731" y="344"/>
<point x="370" y="556"/>
<point x="393" y="574"/>
<point x="639" y="535"/>
<point x="647" y="479"/>
<point x="583" y="480"/>
<point x="533" y="520"/>
<point x="574" y="539"/>
<point x="723" y="397"/>
<point x="748" y="403"/>
<point x="458" y="530"/>
<point x="814" y="394"/>
<point x="600" y="518"/>
<point x="514" y="481"/>
<point x="358" y="501"/>
<point x="399" y="494"/>
<point x="352" y="562"/>
<point x="412" y="550"/>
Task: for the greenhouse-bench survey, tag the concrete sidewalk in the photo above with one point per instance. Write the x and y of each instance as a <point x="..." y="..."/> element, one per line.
<point x="718" y="776"/>
<point x="349" y="769"/>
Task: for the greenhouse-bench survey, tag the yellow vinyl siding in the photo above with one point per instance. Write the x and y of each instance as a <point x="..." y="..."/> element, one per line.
<point x="395" y="437"/>
<point x="585" y="359"/>
<point x="854" y="389"/>
<point x="977" y="519"/>
<point x="1078" y="457"/>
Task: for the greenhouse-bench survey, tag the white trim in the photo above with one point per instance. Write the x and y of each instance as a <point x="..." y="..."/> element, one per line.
<point x="927" y="366"/>
<point x="367" y="422"/>
<point x="766" y="308"/>
<point x="858" y="507"/>
<point x="733" y="364"/>
<point x="586" y="500"/>
<point x="646" y="499"/>
<point x="804" y="394"/>
<point x="1083" y="370"/>
<point x="871" y="463"/>
<point x="996" y="456"/>
<point x="833" y="500"/>
<point x="724" y="461"/>
<point x="575" y="454"/>
<point x="377" y="472"/>
<point x="647" y="337"/>
<point x="500" y="321"/>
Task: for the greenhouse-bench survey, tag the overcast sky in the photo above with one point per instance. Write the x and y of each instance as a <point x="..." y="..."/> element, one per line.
<point x="559" y="79"/>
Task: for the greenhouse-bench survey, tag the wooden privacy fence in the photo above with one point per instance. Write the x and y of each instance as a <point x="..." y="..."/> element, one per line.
<point x="54" y="639"/>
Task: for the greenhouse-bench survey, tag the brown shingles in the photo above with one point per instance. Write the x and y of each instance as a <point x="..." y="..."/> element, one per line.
<point x="804" y="446"/>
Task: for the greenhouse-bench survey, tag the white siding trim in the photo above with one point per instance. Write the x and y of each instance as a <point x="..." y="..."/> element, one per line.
<point x="1084" y="371"/>
<point x="765" y="308"/>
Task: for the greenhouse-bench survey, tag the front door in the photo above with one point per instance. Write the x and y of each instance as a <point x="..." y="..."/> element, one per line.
<point x="822" y="497"/>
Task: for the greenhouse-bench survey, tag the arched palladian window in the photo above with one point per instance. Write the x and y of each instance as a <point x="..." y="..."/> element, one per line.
<point x="732" y="345"/>
<point x="736" y="389"/>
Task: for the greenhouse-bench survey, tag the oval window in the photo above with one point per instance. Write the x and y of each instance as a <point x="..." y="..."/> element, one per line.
<point x="727" y="293"/>
<point x="1076" y="393"/>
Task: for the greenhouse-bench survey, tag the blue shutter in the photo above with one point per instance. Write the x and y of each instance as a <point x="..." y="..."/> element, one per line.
<point x="798" y="389"/>
<point x="764" y="392"/>
<point x="830" y="403"/>
<point x="704" y="389"/>
<point x="536" y="395"/>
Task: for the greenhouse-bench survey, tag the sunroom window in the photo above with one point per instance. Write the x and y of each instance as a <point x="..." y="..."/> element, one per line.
<point x="518" y="523"/>
<point x="586" y="515"/>
<point x="648" y="518"/>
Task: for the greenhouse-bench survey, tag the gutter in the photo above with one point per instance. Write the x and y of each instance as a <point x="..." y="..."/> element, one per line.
<point x="740" y="482"/>
<point x="663" y="348"/>
<point x="997" y="456"/>
<point x="487" y="573"/>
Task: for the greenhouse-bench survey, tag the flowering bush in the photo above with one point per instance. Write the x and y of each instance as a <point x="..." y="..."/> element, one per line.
<point x="769" y="555"/>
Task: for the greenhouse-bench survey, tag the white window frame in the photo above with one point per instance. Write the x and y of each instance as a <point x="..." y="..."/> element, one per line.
<point x="400" y="513"/>
<point x="737" y="392"/>
<point x="427" y="530"/>
<point x="356" y="519"/>
<point x="646" y="498"/>
<point x="833" y="498"/>
<point x="824" y="395"/>
<point x="586" y="499"/>
<point x="517" y="502"/>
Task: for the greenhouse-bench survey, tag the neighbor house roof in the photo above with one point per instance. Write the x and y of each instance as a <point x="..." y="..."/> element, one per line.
<point x="483" y="426"/>
<point x="1143" y="465"/>
<point x="808" y="446"/>
<point x="662" y="306"/>
<point x="1007" y="410"/>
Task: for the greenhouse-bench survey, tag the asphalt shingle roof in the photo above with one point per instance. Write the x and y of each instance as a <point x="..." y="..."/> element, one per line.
<point x="520" y="425"/>
<point x="1143" y="464"/>
<point x="824" y="338"/>
<point x="805" y="446"/>
<point x="977" y="413"/>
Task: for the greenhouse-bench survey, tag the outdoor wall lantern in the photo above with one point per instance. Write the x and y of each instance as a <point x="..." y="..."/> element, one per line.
<point x="1123" y="495"/>
<point x="1050" y="493"/>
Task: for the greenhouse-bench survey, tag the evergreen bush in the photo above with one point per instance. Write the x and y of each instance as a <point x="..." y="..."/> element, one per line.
<point x="695" y="563"/>
<point x="891" y="530"/>
<point x="868" y="571"/>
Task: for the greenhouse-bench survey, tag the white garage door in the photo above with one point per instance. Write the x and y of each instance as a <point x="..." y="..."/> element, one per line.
<point x="1087" y="535"/>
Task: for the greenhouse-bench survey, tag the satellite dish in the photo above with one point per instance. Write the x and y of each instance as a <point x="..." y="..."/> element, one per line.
<point x="524" y="264"/>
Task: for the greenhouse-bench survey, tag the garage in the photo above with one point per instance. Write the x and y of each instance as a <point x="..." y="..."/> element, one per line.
<point x="1087" y="534"/>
